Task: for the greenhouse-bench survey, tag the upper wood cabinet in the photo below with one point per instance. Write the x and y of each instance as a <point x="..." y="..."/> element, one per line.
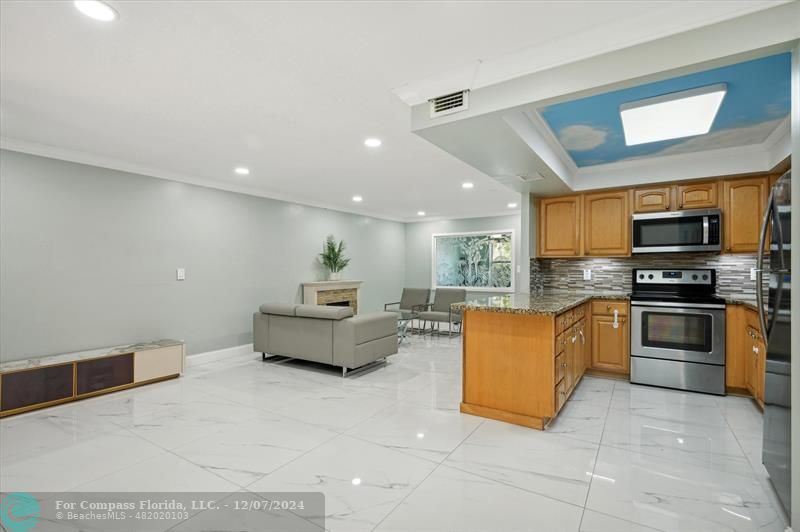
<point x="559" y="227"/>
<point x="598" y="224"/>
<point x="607" y="223"/>
<point x="697" y="195"/>
<point x="652" y="199"/>
<point x="676" y="197"/>
<point x="744" y="201"/>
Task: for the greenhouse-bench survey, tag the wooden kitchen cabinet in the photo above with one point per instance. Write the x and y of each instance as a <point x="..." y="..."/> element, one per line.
<point x="745" y="353"/>
<point x="607" y="229"/>
<point x="736" y="345"/>
<point x="521" y="368"/>
<point x="569" y="357"/>
<point x="610" y="345"/>
<point x="598" y="223"/>
<point x="655" y="199"/>
<point x="697" y="195"/>
<point x="744" y="201"/>
<point x="559" y="226"/>
<point x="676" y="197"/>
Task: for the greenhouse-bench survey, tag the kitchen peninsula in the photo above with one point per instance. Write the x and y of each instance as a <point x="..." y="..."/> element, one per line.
<point x="524" y="354"/>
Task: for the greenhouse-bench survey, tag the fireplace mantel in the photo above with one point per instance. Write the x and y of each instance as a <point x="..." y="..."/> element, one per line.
<point x="328" y="292"/>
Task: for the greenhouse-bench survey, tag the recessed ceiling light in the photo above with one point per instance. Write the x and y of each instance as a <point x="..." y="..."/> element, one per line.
<point x="512" y="205"/>
<point x="241" y="170"/>
<point x="420" y="213"/>
<point x="356" y="481"/>
<point x="420" y="435"/>
<point x="357" y="198"/>
<point x="372" y="142"/>
<point x="671" y="116"/>
<point x="96" y="10"/>
<point x="467" y="185"/>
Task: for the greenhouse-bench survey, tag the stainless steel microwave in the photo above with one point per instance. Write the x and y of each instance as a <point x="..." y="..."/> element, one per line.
<point x="677" y="231"/>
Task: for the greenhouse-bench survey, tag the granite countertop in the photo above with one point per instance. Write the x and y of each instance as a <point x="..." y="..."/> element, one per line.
<point x="52" y="360"/>
<point x="550" y="302"/>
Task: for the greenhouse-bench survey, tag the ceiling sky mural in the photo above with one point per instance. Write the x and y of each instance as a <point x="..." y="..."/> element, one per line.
<point x="757" y="101"/>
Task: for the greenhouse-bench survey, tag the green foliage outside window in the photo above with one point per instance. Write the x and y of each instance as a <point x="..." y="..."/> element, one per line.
<point x="474" y="260"/>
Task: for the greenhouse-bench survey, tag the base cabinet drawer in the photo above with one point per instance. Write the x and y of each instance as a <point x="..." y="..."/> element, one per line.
<point x="608" y="307"/>
<point x="158" y="363"/>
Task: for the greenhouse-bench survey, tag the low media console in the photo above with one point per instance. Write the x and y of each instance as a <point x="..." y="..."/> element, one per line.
<point x="40" y="382"/>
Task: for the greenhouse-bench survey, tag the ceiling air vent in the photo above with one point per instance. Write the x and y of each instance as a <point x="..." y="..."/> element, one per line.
<point x="449" y="103"/>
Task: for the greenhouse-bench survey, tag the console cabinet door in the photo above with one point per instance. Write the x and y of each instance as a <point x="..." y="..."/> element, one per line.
<point x="158" y="363"/>
<point x="697" y="195"/>
<point x="36" y="386"/>
<point x="744" y="202"/>
<point x="610" y="349"/>
<point x="607" y="224"/>
<point x="654" y="199"/>
<point x="104" y="373"/>
<point x="559" y="226"/>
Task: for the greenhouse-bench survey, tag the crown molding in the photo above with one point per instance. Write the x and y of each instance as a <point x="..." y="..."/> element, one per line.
<point x="75" y="156"/>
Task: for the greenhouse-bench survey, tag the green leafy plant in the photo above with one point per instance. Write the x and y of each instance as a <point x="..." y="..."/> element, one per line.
<point x="332" y="256"/>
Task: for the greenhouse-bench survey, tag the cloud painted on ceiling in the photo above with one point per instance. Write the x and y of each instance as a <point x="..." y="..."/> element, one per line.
<point x="757" y="101"/>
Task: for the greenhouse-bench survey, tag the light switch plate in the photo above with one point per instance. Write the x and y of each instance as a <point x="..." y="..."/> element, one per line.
<point x="587" y="275"/>
<point x="752" y="274"/>
<point x="180" y="274"/>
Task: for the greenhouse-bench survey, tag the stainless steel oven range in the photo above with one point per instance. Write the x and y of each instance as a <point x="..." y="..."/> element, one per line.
<point x="678" y="330"/>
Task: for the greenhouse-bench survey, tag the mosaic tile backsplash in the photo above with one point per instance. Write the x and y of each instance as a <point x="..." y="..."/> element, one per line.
<point x="733" y="271"/>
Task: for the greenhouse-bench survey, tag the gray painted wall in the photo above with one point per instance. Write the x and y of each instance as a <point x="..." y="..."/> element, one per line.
<point x="88" y="258"/>
<point x="419" y="242"/>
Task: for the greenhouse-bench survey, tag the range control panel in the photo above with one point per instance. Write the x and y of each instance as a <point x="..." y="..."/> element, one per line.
<point x="690" y="277"/>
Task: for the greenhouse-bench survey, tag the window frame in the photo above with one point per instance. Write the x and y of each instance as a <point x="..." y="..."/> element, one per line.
<point x="488" y="233"/>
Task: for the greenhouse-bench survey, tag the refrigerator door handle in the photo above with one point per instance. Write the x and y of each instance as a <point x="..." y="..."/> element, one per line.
<point x="762" y="320"/>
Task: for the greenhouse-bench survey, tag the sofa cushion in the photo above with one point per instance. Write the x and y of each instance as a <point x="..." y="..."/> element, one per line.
<point x="281" y="309"/>
<point x="323" y="312"/>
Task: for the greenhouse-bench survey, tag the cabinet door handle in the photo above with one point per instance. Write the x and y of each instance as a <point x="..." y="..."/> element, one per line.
<point x="583" y="337"/>
<point x="574" y="338"/>
<point x="616" y="319"/>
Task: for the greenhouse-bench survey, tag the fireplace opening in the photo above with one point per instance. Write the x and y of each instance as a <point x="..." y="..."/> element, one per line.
<point x="338" y="304"/>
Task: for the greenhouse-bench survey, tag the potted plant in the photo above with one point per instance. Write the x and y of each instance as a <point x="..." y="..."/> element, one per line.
<point x="332" y="257"/>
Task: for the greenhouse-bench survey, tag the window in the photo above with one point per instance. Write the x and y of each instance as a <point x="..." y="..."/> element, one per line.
<point x="479" y="261"/>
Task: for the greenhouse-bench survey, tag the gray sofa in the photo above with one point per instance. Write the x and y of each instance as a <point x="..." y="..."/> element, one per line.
<point x="331" y="335"/>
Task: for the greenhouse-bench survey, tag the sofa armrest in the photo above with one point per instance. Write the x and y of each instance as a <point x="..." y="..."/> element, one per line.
<point x="350" y="333"/>
<point x="260" y="332"/>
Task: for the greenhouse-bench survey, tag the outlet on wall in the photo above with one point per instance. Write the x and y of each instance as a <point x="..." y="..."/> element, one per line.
<point x="752" y="274"/>
<point x="587" y="275"/>
<point x="180" y="274"/>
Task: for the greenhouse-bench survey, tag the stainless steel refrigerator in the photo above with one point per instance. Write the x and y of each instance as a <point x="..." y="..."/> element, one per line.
<point x="776" y="327"/>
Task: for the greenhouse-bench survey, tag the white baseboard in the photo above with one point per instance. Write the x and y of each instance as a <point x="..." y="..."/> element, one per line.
<point x="219" y="354"/>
